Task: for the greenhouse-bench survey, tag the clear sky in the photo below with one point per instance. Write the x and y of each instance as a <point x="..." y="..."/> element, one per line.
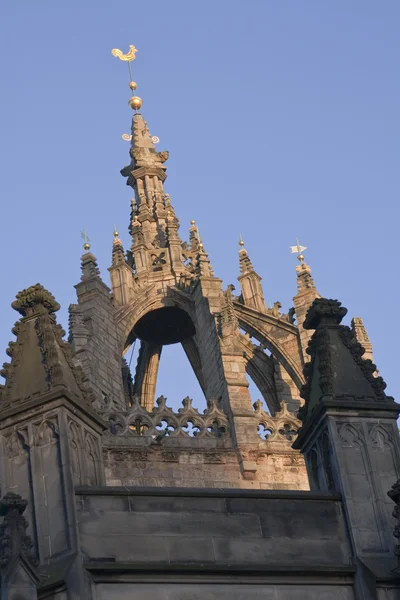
<point x="282" y="121"/>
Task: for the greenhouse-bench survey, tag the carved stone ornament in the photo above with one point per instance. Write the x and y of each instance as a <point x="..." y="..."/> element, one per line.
<point x="35" y="299"/>
<point x="283" y="427"/>
<point x="14" y="541"/>
<point x="324" y="312"/>
<point x="163" y="421"/>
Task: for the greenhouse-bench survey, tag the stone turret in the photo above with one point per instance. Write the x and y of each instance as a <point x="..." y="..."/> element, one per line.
<point x="49" y="432"/>
<point x="350" y="438"/>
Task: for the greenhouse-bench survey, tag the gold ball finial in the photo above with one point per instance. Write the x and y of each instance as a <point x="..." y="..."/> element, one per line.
<point x="86" y="246"/>
<point x="133" y="85"/>
<point x="116" y="234"/>
<point x="135" y="102"/>
<point x="193" y="223"/>
<point x="300" y="257"/>
<point x="201" y="246"/>
<point x="241" y="242"/>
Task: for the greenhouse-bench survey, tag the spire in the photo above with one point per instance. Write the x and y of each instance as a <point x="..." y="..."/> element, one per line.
<point x="250" y="281"/>
<point x="145" y="160"/>
<point x="121" y="272"/>
<point x="41" y="360"/>
<point x="337" y="370"/>
<point x="156" y="246"/>
<point x="89" y="266"/>
<point x="244" y="259"/>
<point x="118" y="255"/>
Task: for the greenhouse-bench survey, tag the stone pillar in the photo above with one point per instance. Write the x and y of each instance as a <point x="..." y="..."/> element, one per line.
<point x="350" y="441"/>
<point x="49" y="432"/>
<point x="146" y="373"/>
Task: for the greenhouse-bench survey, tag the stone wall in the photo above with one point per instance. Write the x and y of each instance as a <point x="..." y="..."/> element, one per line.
<point x="191" y="449"/>
<point x="164" y="544"/>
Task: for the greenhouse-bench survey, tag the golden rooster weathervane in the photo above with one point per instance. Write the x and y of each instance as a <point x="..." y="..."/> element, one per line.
<point x="135" y="102"/>
<point x="125" y="57"/>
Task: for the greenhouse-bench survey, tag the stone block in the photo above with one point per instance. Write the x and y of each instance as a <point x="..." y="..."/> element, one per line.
<point x="165" y="524"/>
<point x="125" y="547"/>
<point x="187" y="550"/>
<point x="175" y="504"/>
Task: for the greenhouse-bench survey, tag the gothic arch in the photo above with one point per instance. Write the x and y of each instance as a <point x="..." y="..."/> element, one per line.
<point x="146" y="302"/>
<point x="260" y="369"/>
<point x="268" y="330"/>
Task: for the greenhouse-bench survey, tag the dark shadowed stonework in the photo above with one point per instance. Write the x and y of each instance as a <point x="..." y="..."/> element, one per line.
<point x="293" y="498"/>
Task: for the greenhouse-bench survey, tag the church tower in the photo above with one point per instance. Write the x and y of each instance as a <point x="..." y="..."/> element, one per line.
<point x="164" y="291"/>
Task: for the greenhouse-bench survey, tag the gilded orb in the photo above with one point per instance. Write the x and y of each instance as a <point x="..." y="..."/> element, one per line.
<point x="135" y="102"/>
<point x="300" y="257"/>
<point x="133" y="85"/>
<point x="193" y="223"/>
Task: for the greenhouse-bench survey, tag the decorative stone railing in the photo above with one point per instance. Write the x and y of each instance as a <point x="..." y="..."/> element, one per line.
<point x="280" y="428"/>
<point x="162" y="422"/>
<point x="188" y="427"/>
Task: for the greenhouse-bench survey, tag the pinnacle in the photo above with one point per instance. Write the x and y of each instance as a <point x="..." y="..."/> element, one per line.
<point x="40" y="358"/>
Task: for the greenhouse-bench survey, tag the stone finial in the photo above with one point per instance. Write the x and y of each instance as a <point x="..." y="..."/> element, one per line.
<point x="324" y="312"/>
<point x="245" y="263"/>
<point x="304" y="278"/>
<point x="14" y="542"/>
<point x="394" y="494"/>
<point x="118" y="255"/>
<point x="35" y="299"/>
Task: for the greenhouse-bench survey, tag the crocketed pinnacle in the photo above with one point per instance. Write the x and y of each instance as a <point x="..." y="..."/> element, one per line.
<point x="337" y="369"/>
<point x="89" y="266"/>
<point x="118" y="255"/>
<point x="244" y="259"/>
<point x="304" y="278"/>
<point x="41" y="360"/>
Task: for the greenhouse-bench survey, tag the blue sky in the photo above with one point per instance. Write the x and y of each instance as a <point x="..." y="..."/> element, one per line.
<point x="282" y="121"/>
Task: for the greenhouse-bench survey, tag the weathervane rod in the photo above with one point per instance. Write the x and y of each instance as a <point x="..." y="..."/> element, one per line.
<point x="135" y="102"/>
<point x="298" y="249"/>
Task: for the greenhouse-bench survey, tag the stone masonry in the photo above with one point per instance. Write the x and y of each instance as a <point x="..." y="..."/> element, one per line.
<point x="293" y="497"/>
